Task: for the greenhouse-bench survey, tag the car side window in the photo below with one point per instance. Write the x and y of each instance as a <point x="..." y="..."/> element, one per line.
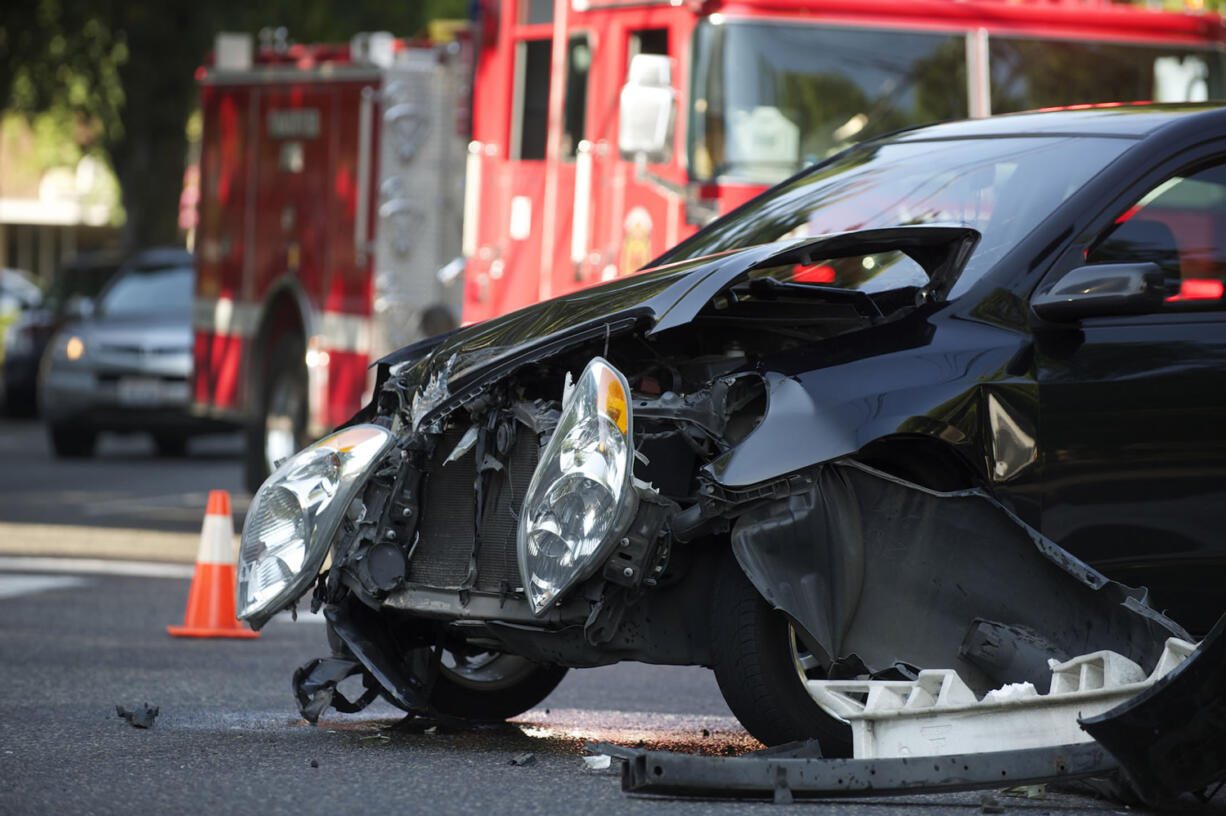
<point x="1181" y="226"/>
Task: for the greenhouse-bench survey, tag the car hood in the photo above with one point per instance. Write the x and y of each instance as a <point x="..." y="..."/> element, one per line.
<point x="656" y="300"/>
<point x="137" y="331"/>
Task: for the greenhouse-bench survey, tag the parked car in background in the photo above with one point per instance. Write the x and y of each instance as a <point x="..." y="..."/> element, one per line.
<point x="125" y="366"/>
<point x="17" y="292"/>
<point x="876" y="420"/>
<point x="69" y="294"/>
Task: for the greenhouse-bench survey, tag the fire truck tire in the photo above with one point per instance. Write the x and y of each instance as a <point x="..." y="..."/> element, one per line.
<point x="759" y="669"/>
<point x="279" y="426"/>
<point x="170" y="444"/>
<point x="72" y="442"/>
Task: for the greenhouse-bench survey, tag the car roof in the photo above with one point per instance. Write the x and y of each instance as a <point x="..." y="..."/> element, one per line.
<point x="1118" y="120"/>
<point x="158" y="258"/>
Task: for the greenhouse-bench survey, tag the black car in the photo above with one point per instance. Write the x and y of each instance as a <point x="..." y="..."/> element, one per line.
<point x="935" y="402"/>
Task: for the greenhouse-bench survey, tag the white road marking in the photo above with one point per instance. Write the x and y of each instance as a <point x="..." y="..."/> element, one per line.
<point x="97" y="566"/>
<point x="16" y="583"/>
<point x="304" y="616"/>
<point x="14" y="586"/>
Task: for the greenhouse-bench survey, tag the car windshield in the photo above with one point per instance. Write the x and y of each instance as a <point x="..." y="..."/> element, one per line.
<point x="166" y="289"/>
<point x="1003" y="187"/>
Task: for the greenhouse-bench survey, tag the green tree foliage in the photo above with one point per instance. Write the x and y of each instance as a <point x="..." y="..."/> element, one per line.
<point x="125" y="70"/>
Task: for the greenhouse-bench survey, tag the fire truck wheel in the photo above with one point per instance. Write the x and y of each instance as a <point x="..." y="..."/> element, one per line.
<point x="170" y="444"/>
<point x="69" y="441"/>
<point x="761" y="668"/>
<point x="279" y="428"/>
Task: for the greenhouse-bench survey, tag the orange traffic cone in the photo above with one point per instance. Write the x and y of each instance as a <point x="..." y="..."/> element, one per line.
<point x="210" y="603"/>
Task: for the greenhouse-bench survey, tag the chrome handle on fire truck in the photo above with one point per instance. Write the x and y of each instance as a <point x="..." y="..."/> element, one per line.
<point x="361" y="217"/>
<point x="472" y="199"/>
<point x="583" y="202"/>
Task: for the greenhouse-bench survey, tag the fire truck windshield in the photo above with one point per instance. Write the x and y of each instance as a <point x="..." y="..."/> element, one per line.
<point x="1001" y="186"/>
<point x="771" y="97"/>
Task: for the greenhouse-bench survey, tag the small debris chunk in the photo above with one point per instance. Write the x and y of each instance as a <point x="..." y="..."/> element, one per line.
<point x="314" y="763"/>
<point x="600" y="762"/>
<point x="705" y="733"/>
<point x="139" y="717"/>
<point x="988" y="804"/>
<point x="523" y="759"/>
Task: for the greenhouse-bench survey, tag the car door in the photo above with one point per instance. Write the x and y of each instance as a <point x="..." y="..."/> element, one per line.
<point x="1132" y="427"/>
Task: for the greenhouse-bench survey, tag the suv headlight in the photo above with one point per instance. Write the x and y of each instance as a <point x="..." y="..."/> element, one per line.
<point x="294" y="515"/>
<point x="581" y="497"/>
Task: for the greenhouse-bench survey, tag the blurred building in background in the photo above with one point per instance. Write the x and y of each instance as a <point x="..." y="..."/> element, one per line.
<point x="54" y="200"/>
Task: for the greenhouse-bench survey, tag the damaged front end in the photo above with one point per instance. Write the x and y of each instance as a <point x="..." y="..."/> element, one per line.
<point x="638" y="473"/>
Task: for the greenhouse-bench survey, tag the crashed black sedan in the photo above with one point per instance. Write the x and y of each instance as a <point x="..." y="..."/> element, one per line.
<point x="938" y="401"/>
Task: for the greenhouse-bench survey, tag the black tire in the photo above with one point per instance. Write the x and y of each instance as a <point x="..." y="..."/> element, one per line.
<point x="72" y="442"/>
<point x="491" y="685"/>
<point x="759" y="674"/>
<point x="170" y="444"/>
<point x="281" y="414"/>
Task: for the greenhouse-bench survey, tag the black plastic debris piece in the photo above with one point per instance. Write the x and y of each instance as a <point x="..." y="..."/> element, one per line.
<point x="315" y="683"/>
<point x="141" y="716"/>
<point x="989" y="804"/>
<point x="783" y="779"/>
<point x="1171" y="738"/>
<point x="314" y="763"/>
<point x="523" y="759"/>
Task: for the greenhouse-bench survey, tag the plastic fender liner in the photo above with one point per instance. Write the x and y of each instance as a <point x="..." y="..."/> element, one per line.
<point x="873" y="567"/>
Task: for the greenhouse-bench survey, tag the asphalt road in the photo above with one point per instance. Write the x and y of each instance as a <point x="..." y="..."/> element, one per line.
<point x="227" y="737"/>
<point x="80" y="636"/>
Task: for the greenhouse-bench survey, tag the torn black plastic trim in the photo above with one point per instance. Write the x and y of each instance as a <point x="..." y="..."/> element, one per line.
<point x="852" y="558"/>
<point x="368" y="639"/>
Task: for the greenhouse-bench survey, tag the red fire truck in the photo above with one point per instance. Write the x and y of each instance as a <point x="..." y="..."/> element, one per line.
<point x="331" y="196"/>
<point x="603" y="132"/>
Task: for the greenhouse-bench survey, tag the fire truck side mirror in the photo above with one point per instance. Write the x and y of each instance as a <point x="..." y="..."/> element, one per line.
<point x="647" y="110"/>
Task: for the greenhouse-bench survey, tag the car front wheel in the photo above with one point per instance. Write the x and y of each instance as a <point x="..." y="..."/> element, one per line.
<point x="761" y="669"/>
<point x="70" y="441"/>
<point x="484" y="685"/>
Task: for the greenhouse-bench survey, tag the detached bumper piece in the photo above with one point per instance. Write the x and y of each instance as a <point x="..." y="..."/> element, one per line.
<point x="782" y="780"/>
<point x="1168" y="740"/>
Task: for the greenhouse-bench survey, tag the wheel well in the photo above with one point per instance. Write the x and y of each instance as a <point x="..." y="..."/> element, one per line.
<point x="920" y="459"/>
<point x="282" y="317"/>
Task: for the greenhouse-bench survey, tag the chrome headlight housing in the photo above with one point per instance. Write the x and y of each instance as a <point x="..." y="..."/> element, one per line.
<point x="581" y="497"/>
<point x="294" y="515"/>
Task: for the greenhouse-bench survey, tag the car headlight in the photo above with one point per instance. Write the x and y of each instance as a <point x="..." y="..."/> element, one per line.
<point x="581" y="497"/>
<point x="295" y="513"/>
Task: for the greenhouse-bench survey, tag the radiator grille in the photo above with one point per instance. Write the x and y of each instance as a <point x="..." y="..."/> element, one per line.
<point x="447" y="517"/>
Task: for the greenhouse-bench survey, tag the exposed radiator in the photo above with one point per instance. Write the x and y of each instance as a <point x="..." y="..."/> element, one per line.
<point x="448" y="511"/>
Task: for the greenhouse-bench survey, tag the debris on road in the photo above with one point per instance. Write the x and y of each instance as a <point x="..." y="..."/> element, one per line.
<point x="1167" y="740"/>
<point x="139" y="717"/>
<point x="520" y="760"/>
<point x="599" y="762"/>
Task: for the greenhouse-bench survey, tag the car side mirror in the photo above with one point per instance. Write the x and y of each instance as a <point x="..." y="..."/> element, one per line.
<point x="1101" y="290"/>
<point x="647" y="110"/>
